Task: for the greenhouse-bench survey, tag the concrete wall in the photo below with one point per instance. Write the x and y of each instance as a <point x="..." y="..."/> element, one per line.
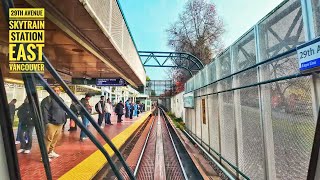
<point x="177" y="105"/>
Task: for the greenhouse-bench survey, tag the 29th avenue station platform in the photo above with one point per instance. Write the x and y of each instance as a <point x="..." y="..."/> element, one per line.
<point x="79" y="160"/>
<point x="251" y="111"/>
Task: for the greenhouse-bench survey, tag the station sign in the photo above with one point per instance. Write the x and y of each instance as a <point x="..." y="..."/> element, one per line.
<point x="83" y="81"/>
<point x="188" y="100"/>
<point x="110" y="82"/>
<point x="26" y="40"/>
<point x="309" y="55"/>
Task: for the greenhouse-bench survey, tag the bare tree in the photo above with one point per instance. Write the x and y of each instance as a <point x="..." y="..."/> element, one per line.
<point x="198" y="31"/>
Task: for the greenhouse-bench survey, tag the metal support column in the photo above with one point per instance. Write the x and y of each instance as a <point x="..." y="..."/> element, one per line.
<point x="265" y="112"/>
<point x="237" y="113"/>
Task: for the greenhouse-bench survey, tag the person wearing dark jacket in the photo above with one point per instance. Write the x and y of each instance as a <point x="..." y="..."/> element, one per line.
<point x="27" y="126"/>
<point x="119" y="111"/>
<point x="101" y="110"/>
<point x="12" y="109"/>
<point x="131" y="110"/>
<point x="75" y="109"/>
<point x="54" y="118"/>
<point x="85" y="121"/>
<point x="44" y="111"/>
<point x="127" y="107"/>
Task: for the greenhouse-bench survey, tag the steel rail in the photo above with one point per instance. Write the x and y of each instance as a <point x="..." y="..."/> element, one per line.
<point x="143" y="149"/>
<point x="174" y="146"/>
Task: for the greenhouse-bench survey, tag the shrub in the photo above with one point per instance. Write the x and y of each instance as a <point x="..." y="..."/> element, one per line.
<point x="179" y="120"/>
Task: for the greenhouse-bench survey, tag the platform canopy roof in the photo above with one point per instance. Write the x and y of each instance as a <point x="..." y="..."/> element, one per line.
<point x="83" y="39"/>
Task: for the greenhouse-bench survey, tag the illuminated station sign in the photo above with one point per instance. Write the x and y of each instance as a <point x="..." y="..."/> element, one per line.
<point x="100" y="81"/>
<point x="111" y="82"/>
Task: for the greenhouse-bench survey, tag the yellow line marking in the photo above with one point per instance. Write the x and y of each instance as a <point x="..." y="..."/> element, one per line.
<point x="90" y="166"/>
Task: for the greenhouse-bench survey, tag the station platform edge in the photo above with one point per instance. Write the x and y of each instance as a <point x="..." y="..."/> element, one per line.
<point x="90" y="166"/>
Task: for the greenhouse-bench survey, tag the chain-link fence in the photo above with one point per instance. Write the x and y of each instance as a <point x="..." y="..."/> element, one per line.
<point x="261" y="111"/>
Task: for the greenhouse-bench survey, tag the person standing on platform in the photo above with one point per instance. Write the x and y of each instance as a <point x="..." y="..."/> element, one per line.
<point x="85" y="121"/>
<point x="127" y="107"/>
<point x="135" y="109"/>
<point x="142" y="108"/>
<point x="119" y="111"/>
<point x="75" y="109"/>
<point x="54" y="120"/>
<point x="43" y="106"/>
<point x="108" y="110"/>
<point x="138" y="108"/>
<point x="19" y="126"/>
<point x="100" y="108"/>
<point x="131" y="110"/>
<point x="27" y="126"/>
<point x="12" y="109"/>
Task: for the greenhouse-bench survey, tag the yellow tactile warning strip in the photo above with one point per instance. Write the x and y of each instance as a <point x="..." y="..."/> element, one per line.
<point x="89" y="167"/>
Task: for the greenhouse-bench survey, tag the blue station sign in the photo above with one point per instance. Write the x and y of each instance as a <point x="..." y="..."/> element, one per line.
<point x="309" y="55"/>
<point x="110" y="82"/>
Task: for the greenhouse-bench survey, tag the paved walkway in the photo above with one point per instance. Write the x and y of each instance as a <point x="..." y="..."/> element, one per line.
<point x="71" y="151"/>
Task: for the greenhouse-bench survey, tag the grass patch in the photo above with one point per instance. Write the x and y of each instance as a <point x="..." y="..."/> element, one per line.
<point x="178" y="122"/>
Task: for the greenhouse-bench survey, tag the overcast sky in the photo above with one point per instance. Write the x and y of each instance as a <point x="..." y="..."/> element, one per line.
<point x="148" y="20"/>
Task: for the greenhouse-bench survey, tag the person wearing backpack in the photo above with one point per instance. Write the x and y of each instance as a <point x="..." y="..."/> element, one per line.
<point x="54" y="118"/>
<point x="44" y="111"/>
<point x="119" y="111"/>
<point x="27" y="126"/>
<point x="76" y="110"/>
<point x="100" y="108"/>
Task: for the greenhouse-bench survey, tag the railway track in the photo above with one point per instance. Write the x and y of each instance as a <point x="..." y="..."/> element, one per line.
<point x="157" y="155"/>
<point x="159" y="159"/>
